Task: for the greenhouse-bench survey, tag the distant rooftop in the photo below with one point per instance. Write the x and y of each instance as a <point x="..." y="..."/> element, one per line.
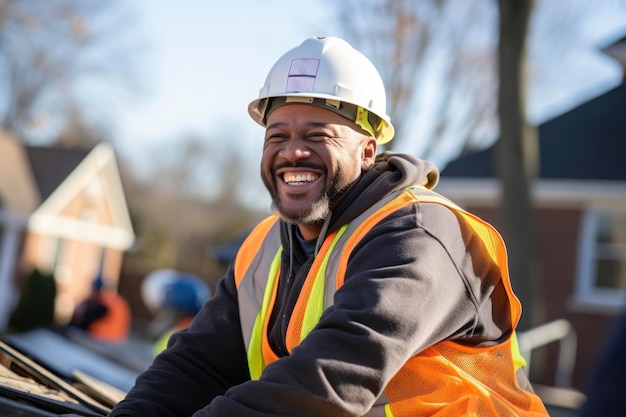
<point x="51" y="166"/>
<point x="586" y="143"/>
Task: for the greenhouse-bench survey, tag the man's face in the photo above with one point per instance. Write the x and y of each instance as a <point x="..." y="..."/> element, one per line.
<point x="311" y="157"/>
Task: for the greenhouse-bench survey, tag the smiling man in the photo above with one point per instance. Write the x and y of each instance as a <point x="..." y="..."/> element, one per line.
<point x="365" y="294"/>
<point x="311" y="157"/>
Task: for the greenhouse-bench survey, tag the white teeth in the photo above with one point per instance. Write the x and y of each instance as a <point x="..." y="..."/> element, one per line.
<point x="296" y="178"/>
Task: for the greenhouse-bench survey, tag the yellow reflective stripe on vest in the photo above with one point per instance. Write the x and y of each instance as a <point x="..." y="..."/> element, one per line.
<point x="255" y="350"/>
<point x="251" y="270"/>
<point x="316" y="302"/>
<point x="257" y="358"/>
<point x="518" y="359"/>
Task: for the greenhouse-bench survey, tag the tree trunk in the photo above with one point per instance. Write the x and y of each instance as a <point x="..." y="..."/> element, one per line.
<point x="517" y="158"/>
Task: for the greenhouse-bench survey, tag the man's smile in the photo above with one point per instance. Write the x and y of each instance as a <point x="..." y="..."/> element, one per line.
<point x="298" y="178"/>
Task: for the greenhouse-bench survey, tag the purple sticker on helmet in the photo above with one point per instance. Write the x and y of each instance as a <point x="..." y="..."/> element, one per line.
<point x="302" y="73"/>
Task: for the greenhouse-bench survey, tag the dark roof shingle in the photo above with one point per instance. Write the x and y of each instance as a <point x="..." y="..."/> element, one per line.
<point x="586" y="143"/>
<point x="51" y="166"/>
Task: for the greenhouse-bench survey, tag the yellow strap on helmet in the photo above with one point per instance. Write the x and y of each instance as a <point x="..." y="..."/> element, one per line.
<point x="362" y="120"/>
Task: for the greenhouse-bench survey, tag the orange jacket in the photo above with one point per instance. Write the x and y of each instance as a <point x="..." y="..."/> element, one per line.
<point x="115" y="324"/>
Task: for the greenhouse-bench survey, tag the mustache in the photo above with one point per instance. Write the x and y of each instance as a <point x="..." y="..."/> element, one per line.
<point x="298" y="165"/>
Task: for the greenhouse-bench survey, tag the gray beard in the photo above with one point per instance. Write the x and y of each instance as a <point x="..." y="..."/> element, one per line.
<point x="319" y="210"/>
<point x="317" y="213"/>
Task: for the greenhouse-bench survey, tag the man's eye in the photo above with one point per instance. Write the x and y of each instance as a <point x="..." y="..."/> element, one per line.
<point x="318" y="136"/>
<point x="276" y="137"/>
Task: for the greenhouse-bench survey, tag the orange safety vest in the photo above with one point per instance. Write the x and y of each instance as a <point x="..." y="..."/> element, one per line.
<point x="114" y="326"/>
<point x="446" y="379"/>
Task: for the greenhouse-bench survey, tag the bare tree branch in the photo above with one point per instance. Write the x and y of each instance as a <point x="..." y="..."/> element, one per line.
<point x="50" y="53"/>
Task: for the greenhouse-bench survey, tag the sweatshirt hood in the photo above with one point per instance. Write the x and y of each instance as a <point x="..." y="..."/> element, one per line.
<point x="392" y="172"/>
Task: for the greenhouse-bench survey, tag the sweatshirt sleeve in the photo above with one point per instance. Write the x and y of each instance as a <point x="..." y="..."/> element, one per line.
<point x="201" y="362"/>
<point x="417" y="278"/>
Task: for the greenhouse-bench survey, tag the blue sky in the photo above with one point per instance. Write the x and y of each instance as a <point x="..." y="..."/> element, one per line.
<point x="205" y="60"/>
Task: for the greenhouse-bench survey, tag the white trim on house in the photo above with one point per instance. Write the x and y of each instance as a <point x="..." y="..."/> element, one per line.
<point x="75" y="229"/>
<point x="561" y="193"/>
<point x="46" y="219"/>
<point x="588" y="296"/>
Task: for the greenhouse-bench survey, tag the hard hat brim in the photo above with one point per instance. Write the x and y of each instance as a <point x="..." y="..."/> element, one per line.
<point x="257" y="111"/>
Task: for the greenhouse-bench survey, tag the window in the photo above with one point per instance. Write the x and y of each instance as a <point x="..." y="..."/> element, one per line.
<point x="602" y="260"/>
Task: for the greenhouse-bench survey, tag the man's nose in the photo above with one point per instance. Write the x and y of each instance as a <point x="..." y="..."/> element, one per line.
<point x="295" y="149"/>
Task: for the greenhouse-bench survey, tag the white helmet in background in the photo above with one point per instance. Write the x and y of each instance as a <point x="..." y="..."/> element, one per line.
<point x="168" y="288"/>
<point x="152" y="288"/>
<point x="327" y="72"/>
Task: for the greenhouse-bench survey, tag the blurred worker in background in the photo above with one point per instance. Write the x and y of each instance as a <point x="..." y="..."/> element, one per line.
<point x="174" y="298"/>
<point x="105" y="315"/>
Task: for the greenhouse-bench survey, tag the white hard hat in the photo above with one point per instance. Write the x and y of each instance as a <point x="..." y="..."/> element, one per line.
<point x="330" y="73"/>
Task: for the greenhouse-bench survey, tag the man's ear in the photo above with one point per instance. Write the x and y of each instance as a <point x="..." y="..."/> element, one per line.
<point x="368" y="154"/>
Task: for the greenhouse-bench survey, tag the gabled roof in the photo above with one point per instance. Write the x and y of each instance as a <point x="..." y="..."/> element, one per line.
<point x="586" y="143"/>
<point x="51" y="166"/>
<point x="93" y="182"/>
<point x="68" y="193"/>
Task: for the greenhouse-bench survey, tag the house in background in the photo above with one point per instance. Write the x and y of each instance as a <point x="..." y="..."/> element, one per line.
<point x="580" y="200"/>
<point x="62" y="212"/>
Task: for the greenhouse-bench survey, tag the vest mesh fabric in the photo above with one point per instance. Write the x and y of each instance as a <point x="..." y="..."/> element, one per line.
<point x="451" y="380"/>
